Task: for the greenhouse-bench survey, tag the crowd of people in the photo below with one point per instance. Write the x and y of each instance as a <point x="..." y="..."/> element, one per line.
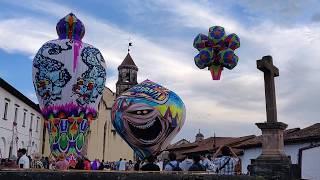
<point x="224" y="161"/>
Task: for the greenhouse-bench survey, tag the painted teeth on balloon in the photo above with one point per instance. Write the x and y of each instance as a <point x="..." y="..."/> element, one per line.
<point x="149" y="124"/>
<point x="147" y="141"/>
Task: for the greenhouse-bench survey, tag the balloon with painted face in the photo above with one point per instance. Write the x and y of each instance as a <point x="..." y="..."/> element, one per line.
<point x="148" y="116"/>
<point x="69" y="77"/>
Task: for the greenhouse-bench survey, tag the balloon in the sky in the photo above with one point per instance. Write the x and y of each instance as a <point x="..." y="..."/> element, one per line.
<point x="204" y="57"/>
<point x="216" y="51"/>
<point x="216" y="34"/>
<point x="199" y="41"/>
<point x="147" y="117"/>
<point x="69" y="77"/>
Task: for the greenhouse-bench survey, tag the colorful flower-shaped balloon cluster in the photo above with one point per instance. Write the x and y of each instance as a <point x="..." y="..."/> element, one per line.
<point x="216" y="51"/>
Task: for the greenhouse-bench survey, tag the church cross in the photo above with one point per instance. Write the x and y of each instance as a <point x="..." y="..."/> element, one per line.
<point x="129" y="44"/>
<point x="270" y="71"/>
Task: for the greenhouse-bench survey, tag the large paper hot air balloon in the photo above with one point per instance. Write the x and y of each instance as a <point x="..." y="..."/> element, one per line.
<point x="216" y="51"/>
<point x="147" y="117"/>
<point x="69" y="77"/>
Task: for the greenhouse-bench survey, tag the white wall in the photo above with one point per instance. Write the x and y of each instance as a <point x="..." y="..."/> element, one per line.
<point x="23" y="132"/>
<point x="310" y="165"/>
<point x="249" y="154"/>
<point x="291" y="150"/>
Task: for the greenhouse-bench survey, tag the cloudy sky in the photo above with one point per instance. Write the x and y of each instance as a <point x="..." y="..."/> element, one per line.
<point x="162" y="32"/>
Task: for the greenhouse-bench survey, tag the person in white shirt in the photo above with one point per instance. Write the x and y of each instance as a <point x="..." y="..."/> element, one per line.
<point x="122" y="165"/>
<point x="207" y="163"/>
<point x="186" y="163"/>
<point x="173" y="165"/>
<point x="226" y="164"/>
<point x="24" y="160"/>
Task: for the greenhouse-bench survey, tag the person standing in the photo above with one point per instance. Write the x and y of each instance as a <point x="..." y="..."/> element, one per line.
<point x="52" y="163"/>
<point x="160" y="164"/>
<point x="24" y="161"/>
<point x="225" y="165"/>
<point x="118" y="164"/>
<point x="186" y="163"/>
<point x="45" y="162"/>
<point x="80" y="164"/>
<point x="150" y="165"/>
<point x="36" y="162"/>
<point x="130" y="166"/>
<point x="102" y="165"/>
<point x="173" y="165"/>
<point x="122" y="165"/>
<point x="95" y="164"/>
<point x="19" y="154"/>
<point x="207" y="163"/>
<point x="62" y="163"/>
<point x="87" y="164"/>
<point x="196" y="166"/>
<point x="137" y="165"/>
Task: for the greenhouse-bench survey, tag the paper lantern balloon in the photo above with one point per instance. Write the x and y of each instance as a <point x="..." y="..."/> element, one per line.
<point x="69" y="77"/>
<point x="216" y="34"/>
<point x="147" y="117"/>
<point x="200" y="41"/>
<point x="204" y="58"/>
<point x="232" y="41"/>
<point x="216" y="51"/>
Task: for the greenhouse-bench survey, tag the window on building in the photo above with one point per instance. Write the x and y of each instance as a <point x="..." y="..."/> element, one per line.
<point x="24" y="118"/>
<point x="6" y="105"/>
<point x="16" y="108"/>
<point x="37" y="125"/>
<point x="31" y="121"/>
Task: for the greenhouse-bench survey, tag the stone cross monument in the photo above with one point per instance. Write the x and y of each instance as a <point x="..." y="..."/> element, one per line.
<point x="272" y="162"/>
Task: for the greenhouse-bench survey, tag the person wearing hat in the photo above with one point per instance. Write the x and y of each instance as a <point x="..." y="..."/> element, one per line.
<point x="62" y="163"/>
<point x="36" y="162"/>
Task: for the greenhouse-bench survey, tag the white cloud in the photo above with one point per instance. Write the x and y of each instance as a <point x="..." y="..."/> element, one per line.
<point x="23" y="35"/>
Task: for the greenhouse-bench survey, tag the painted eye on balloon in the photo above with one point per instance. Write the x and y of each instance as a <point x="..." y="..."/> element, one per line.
<point x="141" y="112"/>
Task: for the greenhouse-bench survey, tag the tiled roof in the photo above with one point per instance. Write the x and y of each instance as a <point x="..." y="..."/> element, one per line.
<point x="128" y="62"/>
<point x="308" y="133"/>
<point x="294" y="135"/>
<point x="208" y="145"/>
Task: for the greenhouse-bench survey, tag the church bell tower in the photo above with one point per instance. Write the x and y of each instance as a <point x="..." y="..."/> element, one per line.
<point x="127" y="77"/>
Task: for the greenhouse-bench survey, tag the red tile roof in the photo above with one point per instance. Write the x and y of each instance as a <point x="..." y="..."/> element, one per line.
<point x="211" y="144"/>
<point x="294" y="135"/>
<point x="208" y="145"/>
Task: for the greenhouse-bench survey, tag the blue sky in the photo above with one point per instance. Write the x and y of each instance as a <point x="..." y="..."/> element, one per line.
<point x="162" y="32"/>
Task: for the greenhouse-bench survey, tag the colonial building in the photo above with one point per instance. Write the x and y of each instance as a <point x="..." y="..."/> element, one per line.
<point x="302" y="145"/>
<point x="21" y="123"/>
<point x="103" y="142"/>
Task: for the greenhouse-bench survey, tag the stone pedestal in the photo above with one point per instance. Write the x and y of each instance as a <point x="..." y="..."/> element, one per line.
<point x="273" y="163"/>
